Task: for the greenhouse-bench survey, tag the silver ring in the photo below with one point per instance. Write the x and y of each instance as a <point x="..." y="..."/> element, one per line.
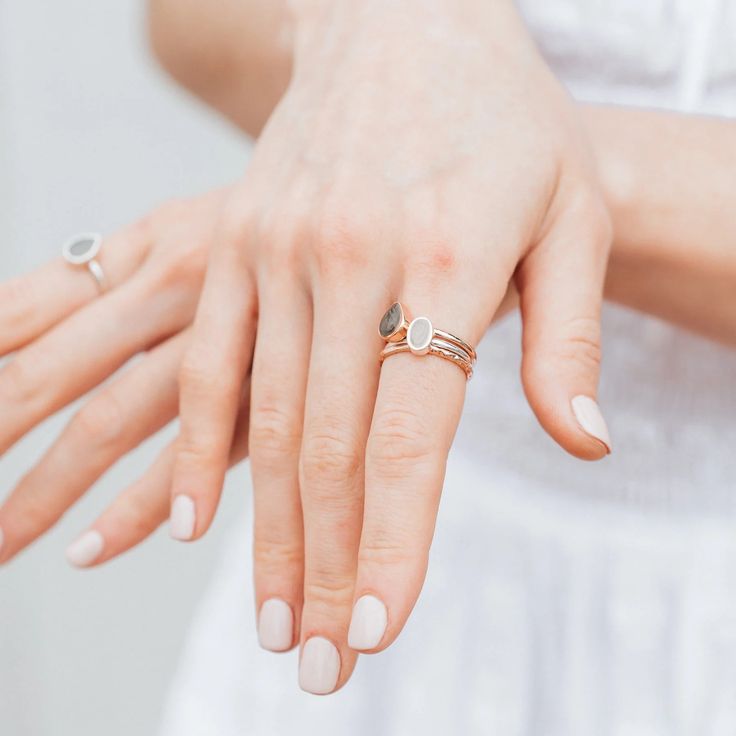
<point x="82" y="250"/>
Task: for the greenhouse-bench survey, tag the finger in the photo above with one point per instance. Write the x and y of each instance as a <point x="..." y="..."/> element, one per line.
<point x="32" y="304"/>
<point x="561" y="286"/>
<point x="111" y="424"/>
<point x="279" y="380"/>
<point x="211" y="382"/>
<point x="142" y="508"/>
<point x="417" y="411"/>
<point x="341" y="391"/>
<point x="78" y="354"/>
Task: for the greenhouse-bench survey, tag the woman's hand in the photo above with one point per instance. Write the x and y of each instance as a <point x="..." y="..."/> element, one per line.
<point x="420" y="155"/>
<point x="67" y="340"/>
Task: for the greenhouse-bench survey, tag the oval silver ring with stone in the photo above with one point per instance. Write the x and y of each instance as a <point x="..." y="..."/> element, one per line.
<point x="82" y="250"/>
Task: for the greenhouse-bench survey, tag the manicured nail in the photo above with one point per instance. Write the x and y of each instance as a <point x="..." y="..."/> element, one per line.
<point x="86" y="549"/>
<point x="368" y="624"/>
<point x="183" y="518"/>
<point x="319" y="667"/>
<point x="589" y="417"/>
<point x="276" y="625"/>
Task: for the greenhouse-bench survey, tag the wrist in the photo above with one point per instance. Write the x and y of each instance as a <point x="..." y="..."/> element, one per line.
<point x="494" y="20"/>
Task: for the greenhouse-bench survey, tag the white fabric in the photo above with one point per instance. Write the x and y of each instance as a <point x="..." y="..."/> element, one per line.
<point x="563" y="598"/>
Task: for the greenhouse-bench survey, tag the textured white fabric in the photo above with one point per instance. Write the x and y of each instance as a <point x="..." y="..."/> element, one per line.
<point x="563" y="598"/>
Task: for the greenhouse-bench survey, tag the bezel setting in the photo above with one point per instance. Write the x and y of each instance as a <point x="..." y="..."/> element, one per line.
<point x="76" y="255"/>
<point x="419" y="335"/>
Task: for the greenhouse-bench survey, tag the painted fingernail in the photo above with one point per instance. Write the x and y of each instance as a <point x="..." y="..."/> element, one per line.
<point x="589" y="417"/>
<point x="368" y="624"/>
<point x="86" y="549"/>
<point x="183" y="518"/>
<point x="319" y="667"/>
<point x="275" y="625"/>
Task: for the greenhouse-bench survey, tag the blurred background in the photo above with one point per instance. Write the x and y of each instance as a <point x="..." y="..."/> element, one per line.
<point x="92" y="136"/>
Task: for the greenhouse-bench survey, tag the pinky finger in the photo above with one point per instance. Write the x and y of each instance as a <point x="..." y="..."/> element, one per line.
<point x="137" y="512"/>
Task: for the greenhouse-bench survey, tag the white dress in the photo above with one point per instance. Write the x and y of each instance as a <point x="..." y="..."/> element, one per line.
<point x="563" y="598"/>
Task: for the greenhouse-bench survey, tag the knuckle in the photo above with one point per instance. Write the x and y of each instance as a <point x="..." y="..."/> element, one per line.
<point x="330" y="591"/>
<point x="271" y="556"/>
<point x="236" y="224"/>
<point x="198" y="450"/>
<point x="388" y="550"/>
<point x="399" y="435"/>
<point x="339" y="244"/>
<point x="329" y="458"/>
<point x="136" y="517"/>
<point x="274" y="438"/>
<point x="579" y="344"/>
<point x="101" y="422"/>
<point x="434" y="259"/>
<point x="198" y="373"/>
<point x="18" y="382"/>
<point x="37" y="515"/>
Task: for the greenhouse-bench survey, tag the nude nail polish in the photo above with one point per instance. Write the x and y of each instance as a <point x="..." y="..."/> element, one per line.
<point x="589" y="417"/>
<point x="319" y="667"/>
<point x="368" y="624"/>
<point x="276" y="625"/>
<point x="86" y="549"/>
<point x="183" y="518"/>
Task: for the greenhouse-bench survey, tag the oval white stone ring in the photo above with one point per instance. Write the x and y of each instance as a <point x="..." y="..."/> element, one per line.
<point x="420" y="337"/>
<point x="82" y="250"/>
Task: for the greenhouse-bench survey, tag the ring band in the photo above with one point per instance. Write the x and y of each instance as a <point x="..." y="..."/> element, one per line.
<point x="446" y="351"/>
<point x="81" y="250"/>
<point x="421" y="338"/>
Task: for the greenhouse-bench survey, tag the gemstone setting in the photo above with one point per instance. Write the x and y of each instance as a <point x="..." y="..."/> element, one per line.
<point x="82" y="248"/>
<point x="391" y="322"/>
<point x="419" y="335"/>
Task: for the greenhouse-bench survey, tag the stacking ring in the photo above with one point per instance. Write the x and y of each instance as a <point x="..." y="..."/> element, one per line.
<point x="420" y="337"/>
<point x="82" y="250"/>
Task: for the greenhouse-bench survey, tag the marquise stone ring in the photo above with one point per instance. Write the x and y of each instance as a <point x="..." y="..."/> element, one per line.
<point x="420" y="337"/>
<point x="82" y="250"/>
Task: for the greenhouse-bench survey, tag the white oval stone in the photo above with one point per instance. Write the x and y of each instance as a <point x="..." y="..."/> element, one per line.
<point x="419" y="335"/>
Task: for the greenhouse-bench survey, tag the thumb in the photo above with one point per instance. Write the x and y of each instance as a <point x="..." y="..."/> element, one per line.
<point x="561" y="291"/>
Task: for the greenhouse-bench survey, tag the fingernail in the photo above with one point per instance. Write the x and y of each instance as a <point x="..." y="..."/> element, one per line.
<point x="2" y="539"/>
<point x="589" y="417"/>
<point x="85" y="550"/>
<point x="183" y="518"/>
<point x="275" y="625"/>
<point x="368" y="624"/>
<point x="319" y="667"/>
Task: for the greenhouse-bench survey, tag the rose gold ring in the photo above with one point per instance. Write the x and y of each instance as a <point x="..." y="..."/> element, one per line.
<point x="440" y="348"/>
<point x="395" y="326"/>
<point x="421" y="338"/>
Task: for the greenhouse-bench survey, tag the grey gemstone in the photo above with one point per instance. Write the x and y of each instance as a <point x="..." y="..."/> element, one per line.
<point x="81" y="247"/>
<point x="391" y="321"/>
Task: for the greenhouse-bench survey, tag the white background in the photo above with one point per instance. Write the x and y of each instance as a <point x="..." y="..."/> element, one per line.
<point x="91" y="137"/>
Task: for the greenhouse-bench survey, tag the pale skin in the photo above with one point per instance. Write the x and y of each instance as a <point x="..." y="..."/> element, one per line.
<point x="376" y="535"/>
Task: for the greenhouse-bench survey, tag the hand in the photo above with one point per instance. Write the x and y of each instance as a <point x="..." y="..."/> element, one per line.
<point x="425" y="156"/>
<point x="68" y="340"/>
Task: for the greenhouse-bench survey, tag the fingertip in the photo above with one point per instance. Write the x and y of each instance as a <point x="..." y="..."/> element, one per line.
<point x="368" y="624"/>
<point x="86" y="549"/>
<point x="590" y="419"/>
<point x="183" y="519"/>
